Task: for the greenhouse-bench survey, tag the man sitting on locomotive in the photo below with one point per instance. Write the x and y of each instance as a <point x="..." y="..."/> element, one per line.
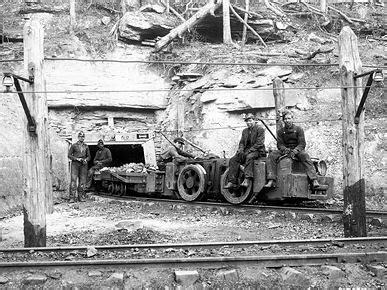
<point x="174" y="152"/>
<point x="291" y="143"/>
<point x="102" y="158"/>
<point x="251" y="146"/>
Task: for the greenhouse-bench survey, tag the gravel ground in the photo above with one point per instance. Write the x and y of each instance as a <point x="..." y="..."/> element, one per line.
<point x="101" y="221"/>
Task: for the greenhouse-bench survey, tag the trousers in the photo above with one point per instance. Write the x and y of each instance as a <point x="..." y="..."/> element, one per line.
<point x="78" y="175"/>
<point x="243" y="158"/>
<point x="273" y="158"/>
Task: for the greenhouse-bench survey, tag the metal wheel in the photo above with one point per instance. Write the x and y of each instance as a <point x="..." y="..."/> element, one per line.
<point x="111" y="188"/>
<point x="191" y="182"/>
<point x="123" y="189"/>
<point x="236" y="195"/>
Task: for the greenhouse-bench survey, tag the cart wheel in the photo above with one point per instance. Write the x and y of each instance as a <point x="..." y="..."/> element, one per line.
<point x="117" y="188"/>
<point x="122" y="189"/>
<point x="236" y="195"/>
<point x="111" y="188"/>
<point x="191" y="182"/>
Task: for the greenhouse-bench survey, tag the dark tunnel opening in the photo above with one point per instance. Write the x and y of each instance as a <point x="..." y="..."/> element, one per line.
<point x="121" y="154"/>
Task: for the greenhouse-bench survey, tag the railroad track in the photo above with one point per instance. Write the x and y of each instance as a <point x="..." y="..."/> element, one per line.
<point x="275" y="253"/>
<point x="369" y="213"/>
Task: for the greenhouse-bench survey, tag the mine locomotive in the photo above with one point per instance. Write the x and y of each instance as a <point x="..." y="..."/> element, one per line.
<point x="198" y="180"/>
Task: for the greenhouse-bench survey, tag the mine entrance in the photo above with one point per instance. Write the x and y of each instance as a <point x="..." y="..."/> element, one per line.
<point x="121" y="154"/>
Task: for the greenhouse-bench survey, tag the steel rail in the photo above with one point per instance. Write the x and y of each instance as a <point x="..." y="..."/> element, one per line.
<point x="359" y="240"/>
<point x="370" y="213"/>
<point x="268" y="261"/>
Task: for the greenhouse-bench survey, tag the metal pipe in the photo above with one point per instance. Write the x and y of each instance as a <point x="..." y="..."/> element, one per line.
<point x="363" y="98"/>
<point x="30" y="120"/>
<point x="268" y="129"/>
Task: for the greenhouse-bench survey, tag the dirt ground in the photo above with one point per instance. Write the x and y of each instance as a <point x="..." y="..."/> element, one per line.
<point x="101" y="221"/>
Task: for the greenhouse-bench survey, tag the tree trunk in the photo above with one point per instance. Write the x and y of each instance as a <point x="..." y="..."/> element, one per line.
<point x="179" y="30"/>
<point x="226" y="22"/>
<point x="72" y="16"/>
<point x="353" y="136"/>
<point x="246" y="18"/>
<point x="36" y="160"/>
<point x="323" y="6"/>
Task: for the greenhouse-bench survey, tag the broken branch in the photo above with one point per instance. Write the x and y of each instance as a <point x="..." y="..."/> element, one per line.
<point x="341" y="13"/>
<point x="248" y="26"/>
<point x="276" y="11"/>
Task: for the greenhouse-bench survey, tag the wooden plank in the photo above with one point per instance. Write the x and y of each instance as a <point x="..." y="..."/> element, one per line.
<point x="36" y="175"/>
<point x="149" y="152"/>
<point x="354" y="217"/>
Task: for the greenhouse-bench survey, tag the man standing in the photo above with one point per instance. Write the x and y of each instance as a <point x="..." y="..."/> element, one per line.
<point x="291" y="143"/>
<point x="102" y="158"/>
<point x="175" y="152"/>
<point x="79" y="154"/>
<point x="251" y="146"/>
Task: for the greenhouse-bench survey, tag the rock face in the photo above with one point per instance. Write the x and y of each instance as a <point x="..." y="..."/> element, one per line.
<point x="137" y="26"/>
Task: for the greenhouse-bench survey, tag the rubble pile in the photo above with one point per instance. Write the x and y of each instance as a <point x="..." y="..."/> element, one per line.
<point x="131" y="167"/>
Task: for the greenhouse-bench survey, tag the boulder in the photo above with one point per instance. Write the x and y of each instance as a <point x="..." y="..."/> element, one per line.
<point x="3" y="280"/>
<point x="228" y="275"/>
<point x="35" y="279"/>
<point x="117" y="277"/>
<point x="137" y="26"/>
<point x="333" y="272"/>
<point x="291" y="276"/>
<point x="91" y="251"/>
<point x="186" y="278"/>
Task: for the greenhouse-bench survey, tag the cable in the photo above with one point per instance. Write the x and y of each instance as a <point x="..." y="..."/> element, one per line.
<point x="183" y="90"/>
<point x="192" y="62"/>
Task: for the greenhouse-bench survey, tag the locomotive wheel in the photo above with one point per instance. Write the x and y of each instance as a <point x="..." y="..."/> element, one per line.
<point x="236" y="195"/>
<point x="111" y="188"/>
<point x="191" y="182"/>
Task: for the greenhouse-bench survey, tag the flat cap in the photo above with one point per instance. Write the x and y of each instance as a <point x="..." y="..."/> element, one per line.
<point x="179" y="140"/>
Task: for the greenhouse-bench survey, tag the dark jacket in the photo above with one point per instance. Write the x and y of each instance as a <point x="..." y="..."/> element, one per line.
<point x="79" y="150"/>
<point x="256" y="141"/>
<point x="292" y="138"/>
<point x="104" y="156"/>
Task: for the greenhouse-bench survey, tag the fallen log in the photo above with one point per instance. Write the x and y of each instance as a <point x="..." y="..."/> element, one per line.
<point x="209" y="8"/>
<point x="42" y="9"/>
<point x="276" y="11"/>
<point x="248" y="26"/>
<point x="341" y="13"/>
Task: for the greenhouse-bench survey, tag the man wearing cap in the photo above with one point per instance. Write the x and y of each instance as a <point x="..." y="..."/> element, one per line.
<point x="79" y="154"/>
<point x="290" y="143"/>
<point x="175" y="152"/>
<point x="251" y="146"/>
<point x="102" y="158"/>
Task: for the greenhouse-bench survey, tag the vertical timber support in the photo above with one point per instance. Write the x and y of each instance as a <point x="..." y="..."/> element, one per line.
<point x="354" y="217"/>
<point x="246" y="18"/>
<point x="72" y="16"/>
<point x="180" y="116"/>
<point x="323" y="6"/>
<point x="226" y="22"/>
<point x="279" y="101"/>
<point x="36" y="160"/>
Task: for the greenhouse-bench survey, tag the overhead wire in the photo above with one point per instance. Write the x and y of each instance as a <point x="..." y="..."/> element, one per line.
<point x="194" y="62"/>
<point x="183" y="90"/>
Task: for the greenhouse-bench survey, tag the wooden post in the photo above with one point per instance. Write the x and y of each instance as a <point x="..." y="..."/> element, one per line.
<point x="167" y="7"/>
<point x="226" y="22"/>
<point x="123" y="7"/>
<point x="180" y="116"/>
<point x="36" y="159"/>
<point x="323" y="6"/>
<point x="246" y="18"/>
<point x="72" y="16"/>
<point x="279" y="101"/>
<point x="354" y="217"/>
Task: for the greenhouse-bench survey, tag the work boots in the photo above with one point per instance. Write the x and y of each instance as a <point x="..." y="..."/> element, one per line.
<point x="316" y="184"/>
<point x="246" y="182"/>
<point x="270" y="183"/>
